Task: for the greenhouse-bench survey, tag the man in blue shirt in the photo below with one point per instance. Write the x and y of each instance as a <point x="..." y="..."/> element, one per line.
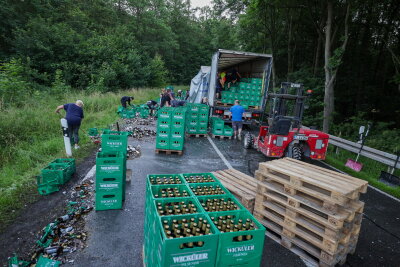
<point x="236" y="114"/>
<point x="74" y="117"/>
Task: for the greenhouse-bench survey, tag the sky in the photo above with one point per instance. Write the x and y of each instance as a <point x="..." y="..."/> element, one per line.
<point x="200" y="3"/>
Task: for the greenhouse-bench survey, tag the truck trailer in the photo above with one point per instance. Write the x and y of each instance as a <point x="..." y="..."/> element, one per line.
<point x="252" y="88"/>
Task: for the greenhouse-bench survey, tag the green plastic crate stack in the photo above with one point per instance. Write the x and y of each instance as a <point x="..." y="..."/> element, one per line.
<point x="55" y="174"/>
<point x="110" y="180"/>
<point x="218" y="127"/>
<point x="171" y="128"/>
<point x="248" y="92"/>
<point x="197" y="117"/>
<point x="162" y="247"/>
<point x="168" y="211"/>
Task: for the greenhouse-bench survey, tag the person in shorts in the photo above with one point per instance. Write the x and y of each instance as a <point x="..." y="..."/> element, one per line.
<point x="237" y="123"/>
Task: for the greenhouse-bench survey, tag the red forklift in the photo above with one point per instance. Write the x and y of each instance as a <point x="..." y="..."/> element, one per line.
<point x="285" y="136"/>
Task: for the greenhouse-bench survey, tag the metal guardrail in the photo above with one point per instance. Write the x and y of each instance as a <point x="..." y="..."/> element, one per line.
<point x="377" y="155"/>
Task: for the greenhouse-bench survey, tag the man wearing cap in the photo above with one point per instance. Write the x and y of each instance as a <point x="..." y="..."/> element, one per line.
<point x="74" y="116"/>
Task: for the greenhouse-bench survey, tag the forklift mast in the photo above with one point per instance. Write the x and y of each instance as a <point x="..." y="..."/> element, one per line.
<point x="283" y="101"/>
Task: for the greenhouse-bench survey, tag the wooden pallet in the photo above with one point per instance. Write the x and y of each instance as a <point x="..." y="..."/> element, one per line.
<point x="239" y="184"/>
<point x="328" y="220"/>
<point x="169" y="151"/>
<point x="292" y="183"/>
<point x="339" y="188"/>
<point x="307" y="204"/>
<point x="221" y="136"/>
<point x="313" y="255"/>
<point x="196" y="135"/>
<point x="318" y="234"/>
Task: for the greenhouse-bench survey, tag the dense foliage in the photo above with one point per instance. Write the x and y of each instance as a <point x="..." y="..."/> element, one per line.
<point x="105" y="45"/>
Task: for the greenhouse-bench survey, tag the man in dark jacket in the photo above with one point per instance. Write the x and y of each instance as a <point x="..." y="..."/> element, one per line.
<point x="74" y="118"/>
<point x="126" y="99"/>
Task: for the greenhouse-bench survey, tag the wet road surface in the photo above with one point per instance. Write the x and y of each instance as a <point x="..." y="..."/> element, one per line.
<point x="116" y="236"/>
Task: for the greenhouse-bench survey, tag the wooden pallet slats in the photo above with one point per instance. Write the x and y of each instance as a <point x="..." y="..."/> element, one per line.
<point x="363" y="185"/>
<point x="242" y="186"/>
<point x="314" y="212"/>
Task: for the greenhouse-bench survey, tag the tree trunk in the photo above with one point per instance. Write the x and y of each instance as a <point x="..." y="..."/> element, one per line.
<point x="289" y="49"/>
<point x="328" y="84"/>
<point x="317" y="52"/>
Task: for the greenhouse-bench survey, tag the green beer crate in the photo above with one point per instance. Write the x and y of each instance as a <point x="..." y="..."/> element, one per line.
<point x="163" y="123"/>
<point x="217" y="131"/>
<point x="227" y="202"/>
<point x="70" y="162"/>
<point x="54" y="172"/>
<point x="67" y="167"/>
<point x="177" y="125"/>
<point x="162" y="143"/>
<point x="203" y="115"/>
<point x="191" y="129"/>
<point x="47" y="186"/>
<point x="109" y="200"/>
<point x="176" y="144"/>
<point x="177" y="134"/>
<point x="164" y="113"/>
<point x="114" y="142"/>
<point x="185" y="251"/>
<point x="195" y="177"/>
<point x="110" y="163"/>
<point x="228" y="131"/>
<point x="178" y="114"/>
<point x="203" y="122"/>
<point x="243" y="248"/>
<point x="93" y="132"/>
<point x="160" y="191"/>
<point x="176" y="206"/>
<point x="110" y="184"/>
<point x="193" y="115"/>
<point x="217" y="122"/>
<point x="208" y="189"/>
<point x="192" y="122"/>
<point x="163" y="133"/>
<point x="152" y="179"/>
<point x="202" y="129"/>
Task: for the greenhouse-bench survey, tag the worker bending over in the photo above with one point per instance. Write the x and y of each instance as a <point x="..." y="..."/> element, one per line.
<point x="74" y="118"/>
<point x="126" y="99"/>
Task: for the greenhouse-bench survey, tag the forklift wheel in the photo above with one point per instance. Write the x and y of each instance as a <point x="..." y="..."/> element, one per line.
<point x="296" y="153"/>
<point x="248" y="141"/>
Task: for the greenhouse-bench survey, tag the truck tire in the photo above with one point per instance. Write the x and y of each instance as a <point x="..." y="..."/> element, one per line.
<point x="296" y="153"/>
<point x="248" y="141"/>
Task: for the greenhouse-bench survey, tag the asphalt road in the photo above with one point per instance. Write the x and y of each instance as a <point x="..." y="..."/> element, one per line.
<point x="116" y="236"/>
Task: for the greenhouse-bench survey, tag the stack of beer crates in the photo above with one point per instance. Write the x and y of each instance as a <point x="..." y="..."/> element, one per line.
<point x="247" y="91"/>
<point x="197" y="119"/>
<point x="314" y="212"/>
<point x="111" y="170"/>
<point x="192" y="219"/>
<point x="218" y="128"/>
<point x="55" y="174"/>
<point x="171" y="129"/>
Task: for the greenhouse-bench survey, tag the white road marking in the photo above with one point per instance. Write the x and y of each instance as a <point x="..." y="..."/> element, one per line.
<point x="219" y="153"/>
<point x="370" y="186"/>
<point x="90" y="173"/>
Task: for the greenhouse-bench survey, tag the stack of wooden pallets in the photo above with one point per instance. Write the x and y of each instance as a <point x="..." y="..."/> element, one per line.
<point x="314" y="212"/>
<point x="242" y="186"/>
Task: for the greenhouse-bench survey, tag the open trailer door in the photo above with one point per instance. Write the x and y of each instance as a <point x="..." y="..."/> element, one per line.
<point x="199" y="85"/>
<point x="213" y="75"/>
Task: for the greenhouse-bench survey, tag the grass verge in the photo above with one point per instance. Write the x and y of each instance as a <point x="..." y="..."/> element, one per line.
<point x="370" y="172"/>
<point x="32" y="138"/>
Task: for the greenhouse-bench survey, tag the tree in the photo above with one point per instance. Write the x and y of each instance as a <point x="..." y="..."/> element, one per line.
<point x="332" y="63"/>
